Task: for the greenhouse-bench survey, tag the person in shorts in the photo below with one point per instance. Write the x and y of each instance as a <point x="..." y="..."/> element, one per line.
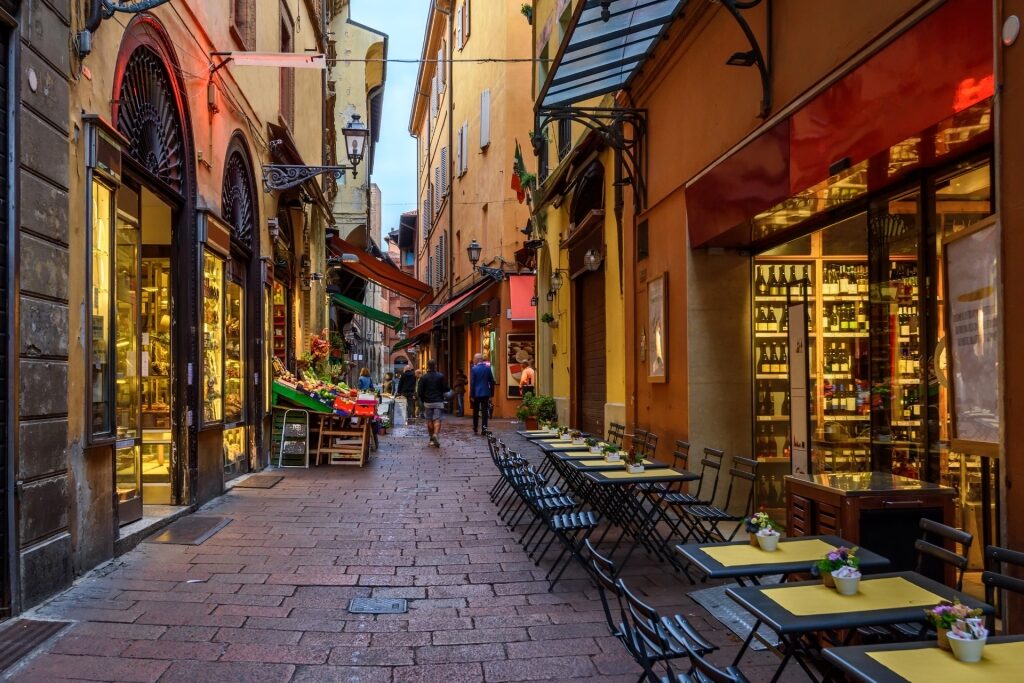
<point x="432" y="391"/>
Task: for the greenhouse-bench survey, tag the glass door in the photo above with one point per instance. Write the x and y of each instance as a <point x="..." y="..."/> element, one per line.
<point x="236" y="458"/>
<point x="127" y="359"/>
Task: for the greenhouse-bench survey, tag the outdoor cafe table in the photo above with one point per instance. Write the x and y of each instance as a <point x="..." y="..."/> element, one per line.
<point x="562" y="445"/>
<point x="741" y="561"/>
<point x="540" y="435"/>
<point x="801" y="608"/>
<point x="1002" y="662"/>
<point x="621" y="496"/>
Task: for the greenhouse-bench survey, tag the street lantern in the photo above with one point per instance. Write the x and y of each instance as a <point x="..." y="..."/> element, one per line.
<point x="355" y="139"/>
<point x="556" y="281"/>
<point x="473" y="251"/>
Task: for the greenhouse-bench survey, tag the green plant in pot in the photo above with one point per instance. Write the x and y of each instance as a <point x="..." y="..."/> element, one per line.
<point x="527" y="11"/>
<point x="634" y="461"/>
<point x="611" y="452"/>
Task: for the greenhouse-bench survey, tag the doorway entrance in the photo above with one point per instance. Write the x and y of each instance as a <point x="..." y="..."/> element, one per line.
<point x="590" y="366"/>
<point x="6" y="466"/>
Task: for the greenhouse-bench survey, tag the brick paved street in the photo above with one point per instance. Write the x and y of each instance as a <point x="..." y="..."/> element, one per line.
<point x="265" y="598"/>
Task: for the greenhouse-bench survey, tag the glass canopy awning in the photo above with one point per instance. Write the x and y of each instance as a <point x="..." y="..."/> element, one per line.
<point x="608" y="41"/>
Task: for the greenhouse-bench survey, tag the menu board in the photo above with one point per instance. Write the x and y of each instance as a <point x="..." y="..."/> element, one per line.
<point x="521" y="349"/>
<point x="972" y="299"/>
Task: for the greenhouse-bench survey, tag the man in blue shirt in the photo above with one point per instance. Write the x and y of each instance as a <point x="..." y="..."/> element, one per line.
<point x="481" y="389"/>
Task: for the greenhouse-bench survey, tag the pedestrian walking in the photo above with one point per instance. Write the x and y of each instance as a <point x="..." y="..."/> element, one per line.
<point x="459" y="393"/>
<point x="527" y="379"/>
<point x="387" y="386"/>
<point x="481" y="389"/>
<point x="407" y="389"/>
<point x="419" y="401"/>
<point x="432" y="391"/>
<point x="365" y="383"/>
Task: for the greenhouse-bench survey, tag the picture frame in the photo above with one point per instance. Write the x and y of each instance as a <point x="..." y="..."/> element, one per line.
<point x="520" y="347"/>
<point x="974" y="336"/>
<point x="657" y="329"/>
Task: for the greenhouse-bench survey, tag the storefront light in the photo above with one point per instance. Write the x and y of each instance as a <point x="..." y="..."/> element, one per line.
<point x="473" y="251"/>
<point x="355" y="134"/>
<point x="556" y="281"/>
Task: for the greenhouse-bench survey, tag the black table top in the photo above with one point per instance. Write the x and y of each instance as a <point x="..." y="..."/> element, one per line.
<point x="600" y="465"/>
<point x="755" y="601"/>
<point x="869" y="483"/>
<point x="651" y="476"/>
<point x="694" y="552"/>
<point x="855" y="662"/>
<point x="548" y="446"/>
<point x="533" y="436"/>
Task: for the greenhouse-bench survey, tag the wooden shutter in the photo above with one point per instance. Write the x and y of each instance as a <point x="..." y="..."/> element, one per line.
<point x="444" y="171"/>
<point x="485" y="118"/>
<point x="465" y="19"/>
<point x="425" y="217"/>
<point x="458" y="28"/>
<point x="458" y="151"/>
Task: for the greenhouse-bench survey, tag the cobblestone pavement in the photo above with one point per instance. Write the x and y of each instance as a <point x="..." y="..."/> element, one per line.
<point x="265" y="598"/>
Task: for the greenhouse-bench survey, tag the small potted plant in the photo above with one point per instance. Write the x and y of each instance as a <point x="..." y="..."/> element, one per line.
<point x="593" y="444"/>
<point x="847" y="579"/>
<point x="634" y="462"/>
<point x="944" y="615"/>
<point x="768" y="539"/>
<point x="835" y="559"/>
<point x="549" y="319"/>
<point x="755" y="523"/>
<point x="967" y="639"/>
<point x="611" y="453"/>
<point x="563" y="431"/>
<point x="527" y="11"/>
<point x="577" y="437"/>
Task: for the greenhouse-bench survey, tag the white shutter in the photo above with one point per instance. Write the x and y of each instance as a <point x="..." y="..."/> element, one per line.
<point x="430" y="270"/>
<point x="437" y="189"/>
<point x="485" y="119"/>
<point x="433" y="99"/>
<point x="458" y="28"/>
<point x="458" y="151"/>
<point x="444" y="171"/>
<point x="425" y="216"/>
<point x="465" y="18"/>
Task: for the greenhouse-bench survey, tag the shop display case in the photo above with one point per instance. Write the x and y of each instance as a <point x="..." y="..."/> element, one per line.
<point x="235" y="451"/>
<point x="100" y="311"/>
<point x="234" y="354"/>
<point x="155" y="459"/>
<point x="212" y="338"/>
<point x="280" y="322"/>
<point x="156" y="344"/>
<point x="127" y="359"/>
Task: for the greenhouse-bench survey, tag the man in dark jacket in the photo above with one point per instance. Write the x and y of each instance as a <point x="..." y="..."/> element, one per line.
<point x="433" y="389"/>
<point x="481" y="389"/>
<point x="407" y="389"/>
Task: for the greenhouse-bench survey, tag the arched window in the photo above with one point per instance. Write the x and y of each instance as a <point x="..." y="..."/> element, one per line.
<point x="239" y="196"/>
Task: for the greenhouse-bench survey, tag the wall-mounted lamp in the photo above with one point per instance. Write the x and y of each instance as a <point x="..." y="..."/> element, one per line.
<point x="534" y="301"/>
<point x="557" y="280"/>
<point x="550" y="296"/>
<point x="473" y="251"/>
<point x="748" y="58"/>
<point x="592" y="259"/>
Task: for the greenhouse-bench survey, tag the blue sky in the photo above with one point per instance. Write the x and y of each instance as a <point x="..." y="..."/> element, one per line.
<point x="395" y="162"/>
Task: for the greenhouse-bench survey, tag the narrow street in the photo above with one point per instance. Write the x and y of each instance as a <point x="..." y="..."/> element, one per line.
<point x="265" y="598"/>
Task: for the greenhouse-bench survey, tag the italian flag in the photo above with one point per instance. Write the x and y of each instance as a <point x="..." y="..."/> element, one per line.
<point x="519" y="174"/>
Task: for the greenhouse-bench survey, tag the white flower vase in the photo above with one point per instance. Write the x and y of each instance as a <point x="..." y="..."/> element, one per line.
<point x="595" y="449"/>
<point x="967" y="651"/>
<point x="577" y="442"/>
<point x="768" y="543"/>
<point x="846" y="585"/>
<point x="635" y="469"/>
<point x="612" y="457"/>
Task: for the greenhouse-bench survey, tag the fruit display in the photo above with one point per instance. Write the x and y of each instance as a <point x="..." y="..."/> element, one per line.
<point x="336" y="397"/>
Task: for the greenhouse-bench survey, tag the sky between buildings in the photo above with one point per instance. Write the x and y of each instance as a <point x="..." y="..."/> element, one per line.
<point x="395" y="163"/>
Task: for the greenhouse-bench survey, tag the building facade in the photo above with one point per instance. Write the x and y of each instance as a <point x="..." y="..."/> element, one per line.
<point x="788" y="229"/>
<point x="163" y="274"/>
<point x="466" y="117"/>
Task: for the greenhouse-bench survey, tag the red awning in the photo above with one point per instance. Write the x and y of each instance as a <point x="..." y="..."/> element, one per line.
<point x="453" y="306"/>
<point x="522" y="289"/>
<point x="375" y="270"/>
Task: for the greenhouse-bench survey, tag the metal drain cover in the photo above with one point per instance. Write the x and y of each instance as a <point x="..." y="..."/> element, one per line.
<point x="378" y="606"/>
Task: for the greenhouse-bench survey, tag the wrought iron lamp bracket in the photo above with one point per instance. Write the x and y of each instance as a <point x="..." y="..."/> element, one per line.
<point x="287" y="176"/>
<point x="736" y="8"/>
<point x="110" y="7"/>
<point x="621" y="129"/>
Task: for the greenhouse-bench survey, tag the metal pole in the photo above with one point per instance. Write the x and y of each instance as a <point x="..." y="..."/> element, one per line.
<point x="450" y="364"/>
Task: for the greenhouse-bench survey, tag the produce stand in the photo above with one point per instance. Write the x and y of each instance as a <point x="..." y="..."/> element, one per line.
<point x="340" y="438"/>
<point x="291" y="437"/>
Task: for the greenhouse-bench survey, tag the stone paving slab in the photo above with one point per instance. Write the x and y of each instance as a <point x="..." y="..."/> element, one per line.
<point x="265" y="598"/>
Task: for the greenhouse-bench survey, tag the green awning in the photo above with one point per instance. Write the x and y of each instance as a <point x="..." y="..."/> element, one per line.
<point x="410" y="341"/>
<point x="367" y="311"/>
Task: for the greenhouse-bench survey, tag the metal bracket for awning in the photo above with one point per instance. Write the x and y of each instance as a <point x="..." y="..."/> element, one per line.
<point x="619" y="128"/>
<point x="287" y="176"/>
<point x="754" y="56"/>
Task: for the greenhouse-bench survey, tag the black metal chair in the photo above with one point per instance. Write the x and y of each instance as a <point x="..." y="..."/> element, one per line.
<point x="998" y="582"/>
<point x="602" y="570"/>
<point x="931" y="547"/>
<point x="712" y="460"/>
<point x="706" y="519"/>
<point x="616" y="432"/>
<point x="703" y="671"/>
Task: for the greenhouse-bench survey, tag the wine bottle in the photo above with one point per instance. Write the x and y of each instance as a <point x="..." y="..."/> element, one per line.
<point x="844" y="358"/>
<point x="772" y="322"/>
<point x="763" y="364"/>
<point x="776" y="366"/>
<point x="851" y="399"/>
<point x="785" y="405"/>
<point x="784" y="359"/>
<point x="773" y="282"/>
<point x="760" y="284"/>
<point x="762" y="321"/>
<point x="784" y="324"/>
<point x="783" y="282"/>
<point x="862" y="317"/>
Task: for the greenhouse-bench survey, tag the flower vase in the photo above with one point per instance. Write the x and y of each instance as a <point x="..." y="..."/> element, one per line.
<point x="768" y="543"/>
<point x="967" y="651"/>
<point x="943" y="639"/>
<point x="846" y="585"/>
<point x="753" y="540"/>
<point x="635" y="469"/>
<point x="827" y="580"/>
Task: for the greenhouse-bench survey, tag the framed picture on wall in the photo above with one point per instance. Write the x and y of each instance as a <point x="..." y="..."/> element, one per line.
<point x="520" y="349"/>
<point x="657" y="329"/>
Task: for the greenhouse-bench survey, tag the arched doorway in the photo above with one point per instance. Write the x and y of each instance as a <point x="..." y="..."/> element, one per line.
<point x="242" y="338"/>
<point x="154" y="243"/>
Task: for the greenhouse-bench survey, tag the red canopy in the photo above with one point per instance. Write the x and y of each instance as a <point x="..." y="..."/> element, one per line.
<point x="453" y="306"/>
<point x="375" y="270"/>
<point x="522" y="289"/>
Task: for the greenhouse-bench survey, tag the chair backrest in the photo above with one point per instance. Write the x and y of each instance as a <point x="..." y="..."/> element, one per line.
<point x="648" y="637"/>
<point x="743" y="469"/>
<point x="926" y="548"/>
<point x="712" y="460"/>
<point x="650" y="445"/>
<point x="615" y="433"/>
<point x="639" y="440"/>
<point x="706" y="672"/>
<point x="603" y="571"/>
<point x="681" y="462"/>
<point x="995" y="580"/>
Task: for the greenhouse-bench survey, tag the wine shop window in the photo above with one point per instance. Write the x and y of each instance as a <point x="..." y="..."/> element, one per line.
<point x="243" y="23"/>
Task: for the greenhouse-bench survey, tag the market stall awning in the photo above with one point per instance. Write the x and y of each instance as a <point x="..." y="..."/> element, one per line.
<point x="369" y="312"/>
<point x="450" y="308"/>
<point x="375" y="270"/>
<point x="605" y="48"/>
<point x="522" y="289"/>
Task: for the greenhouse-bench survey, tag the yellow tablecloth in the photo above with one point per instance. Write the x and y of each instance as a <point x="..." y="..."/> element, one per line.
<point x="875" y="594"/>
<point x="646" y="474"/>
<point x="1000" y="663"/>
<point x="789" y="551"/>
<point x="602" y="461"/>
